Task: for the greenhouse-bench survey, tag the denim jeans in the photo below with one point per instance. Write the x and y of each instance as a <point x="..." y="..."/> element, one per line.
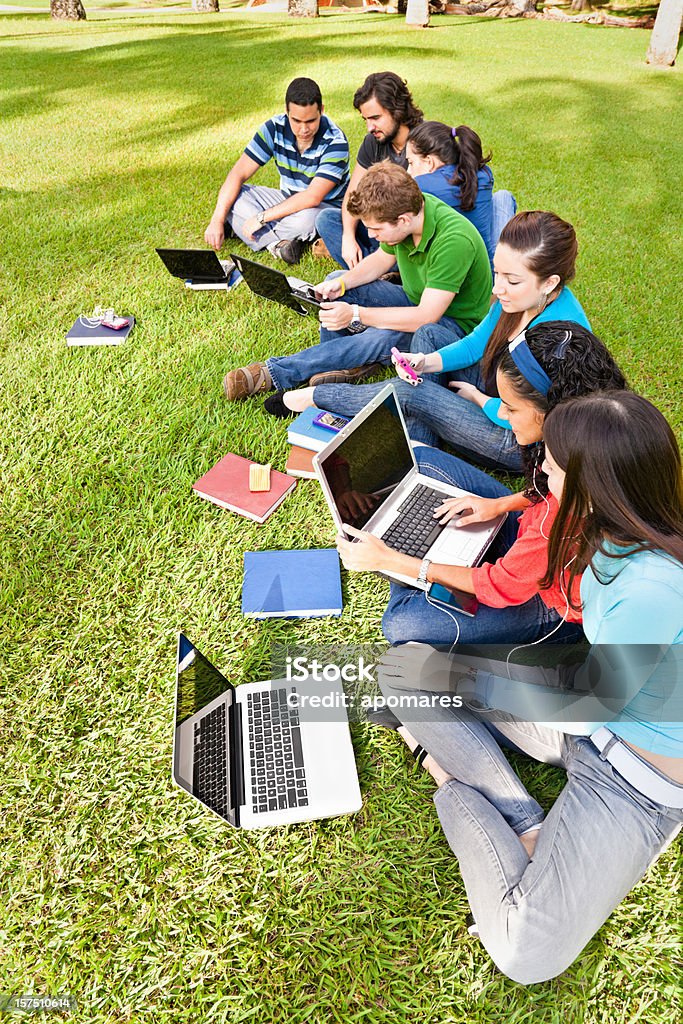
<point x="329" y="226"/>
<point x="503" y="208"/>
<point x="411" y="616"/>
<point x="340" y="350"/>
<point x="535" y="916"/>
<point x="252" y="199"/>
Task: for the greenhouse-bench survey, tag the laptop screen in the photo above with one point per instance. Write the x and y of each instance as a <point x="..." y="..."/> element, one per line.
<point x="366" y="467"/>
<point x="193" y="264"/>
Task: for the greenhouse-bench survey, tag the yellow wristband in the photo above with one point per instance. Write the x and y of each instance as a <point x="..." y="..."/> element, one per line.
<point x="342" y="282"/>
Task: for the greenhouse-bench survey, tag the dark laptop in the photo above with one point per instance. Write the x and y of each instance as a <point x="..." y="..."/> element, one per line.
<point x="274" y="285"/>
<point x="200" y="266"/>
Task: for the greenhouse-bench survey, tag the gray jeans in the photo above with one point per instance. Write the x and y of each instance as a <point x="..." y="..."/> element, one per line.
<point x="255" y="198"/>
<point x="535" y="916"/>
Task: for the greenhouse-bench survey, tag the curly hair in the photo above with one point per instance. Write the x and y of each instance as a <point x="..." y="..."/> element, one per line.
<point x="392" y="93"/>
<point x="385" y="192"/>
<point x="577" y="362"/>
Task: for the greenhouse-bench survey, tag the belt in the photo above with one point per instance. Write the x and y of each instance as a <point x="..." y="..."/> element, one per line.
<point x="638" y="773"/>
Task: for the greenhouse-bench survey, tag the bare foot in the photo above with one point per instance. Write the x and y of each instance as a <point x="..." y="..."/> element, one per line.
<point x="435" y="770"/>
<point x="298" y="400"/>
<point x="529" y="842"/>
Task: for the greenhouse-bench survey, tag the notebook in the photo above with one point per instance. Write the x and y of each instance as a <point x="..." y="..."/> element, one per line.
<point x="304" y="433"/>
<point x="291" y="584"/>
<point x="227" y="485"/>
<point x="300" y="463"/>
<point x="256" y="754"/>
<point x="272" y="284"/>
<point x="89" y="331"/>
<point x="370" y="478"/>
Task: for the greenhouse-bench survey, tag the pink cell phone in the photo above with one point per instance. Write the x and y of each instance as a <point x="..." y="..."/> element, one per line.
<point x="405" y="365"/>
<point x="116" y="323"/>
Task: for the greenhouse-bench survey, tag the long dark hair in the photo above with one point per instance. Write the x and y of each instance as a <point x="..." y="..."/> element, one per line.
<point x="392" y="93"/>
<point x="577" y="363"/>
<point x="623" y="481"/>
<point x="548" y="246"/>
<point x="460" y="146"/>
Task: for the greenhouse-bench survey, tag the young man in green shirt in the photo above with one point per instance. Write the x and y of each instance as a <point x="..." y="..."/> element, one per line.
<point x="446" y="279"/>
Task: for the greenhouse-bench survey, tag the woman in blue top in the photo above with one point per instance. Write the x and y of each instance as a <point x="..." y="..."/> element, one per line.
<point x="534" y="260"/>
<point x="449" y="163"/>
<point x="540" y="887"/>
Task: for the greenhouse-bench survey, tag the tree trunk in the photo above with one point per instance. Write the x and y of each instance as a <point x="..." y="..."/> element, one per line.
<point x="581" y="5"/>
<point x="524" y="6"/>
<point x="204" y="6"/>
<point x="664" y="38"/>
<point x="68" y="10"/>
<point x="302" y="8"/>
<point x="417" y="13"/>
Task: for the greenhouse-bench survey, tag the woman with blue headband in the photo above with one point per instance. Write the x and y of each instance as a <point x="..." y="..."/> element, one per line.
<point x="538" y="370"/>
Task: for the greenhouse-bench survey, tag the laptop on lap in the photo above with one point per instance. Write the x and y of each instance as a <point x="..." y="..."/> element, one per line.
<point x="371" y="480"/>
<point x="254" y="754"/>
<point x="274" y="285"/>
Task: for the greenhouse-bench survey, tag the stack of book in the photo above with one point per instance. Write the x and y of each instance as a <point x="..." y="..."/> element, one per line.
<point x="306" y="438"/>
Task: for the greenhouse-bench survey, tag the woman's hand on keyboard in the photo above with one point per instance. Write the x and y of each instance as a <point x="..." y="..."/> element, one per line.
<point x="470" y="509"/>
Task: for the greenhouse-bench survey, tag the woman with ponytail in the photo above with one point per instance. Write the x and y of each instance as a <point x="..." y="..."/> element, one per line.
<point x="449" y="163"/>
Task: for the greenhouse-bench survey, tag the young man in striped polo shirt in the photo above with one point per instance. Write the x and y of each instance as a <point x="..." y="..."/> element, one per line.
<point x="312" y="157"/>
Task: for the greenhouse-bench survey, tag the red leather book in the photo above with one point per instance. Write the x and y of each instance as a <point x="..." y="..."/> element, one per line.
<point x="227" y="485"/>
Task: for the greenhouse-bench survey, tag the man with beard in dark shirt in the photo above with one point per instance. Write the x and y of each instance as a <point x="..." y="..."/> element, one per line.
<point x="386" y="105"/>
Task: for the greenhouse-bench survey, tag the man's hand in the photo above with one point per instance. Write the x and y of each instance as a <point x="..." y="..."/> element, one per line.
<point x="368" y="554"/>
<point x="471" y="509"/>
<point x="415" y="666"/>
<point x="251" y="226"/>
<point x="468" y="391"/>
<point x="215" y="234"/>
<point x="335" y="316"/>
<point x="330" y="290"/>
<point x="351" y="252"/>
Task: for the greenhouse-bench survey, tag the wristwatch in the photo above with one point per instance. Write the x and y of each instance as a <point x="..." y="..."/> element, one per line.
<point x="424" y="569"/>
<point x="355" y="324"/>
<point x="261" y="218"/>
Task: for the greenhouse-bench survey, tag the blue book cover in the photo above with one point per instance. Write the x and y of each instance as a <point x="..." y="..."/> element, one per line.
<point x="304" y="433"/>
<point x="291" y="584"/>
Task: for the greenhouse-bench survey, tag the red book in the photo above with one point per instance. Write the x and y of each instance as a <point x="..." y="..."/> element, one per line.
<point x="300" y="463"/>
<point x="227" y="485"/>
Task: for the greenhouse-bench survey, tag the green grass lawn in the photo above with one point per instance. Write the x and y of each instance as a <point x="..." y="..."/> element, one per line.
<point x="119" y="888"/>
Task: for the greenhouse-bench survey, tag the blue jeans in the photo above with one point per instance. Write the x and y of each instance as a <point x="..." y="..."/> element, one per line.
<point x="535" y="916"/>
<point x="340" y="350"/>
<point x="410" y="616"/>
<point x="329" y="226"/>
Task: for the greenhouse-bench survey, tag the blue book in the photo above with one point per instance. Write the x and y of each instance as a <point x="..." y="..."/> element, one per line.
<point x="291" y="584"/>
<point x="304" y="433"/>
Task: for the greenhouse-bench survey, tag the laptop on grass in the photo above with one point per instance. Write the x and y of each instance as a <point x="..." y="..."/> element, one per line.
<point x="257" y="754"/>
<point x="371" y="480"/>
<point x="199" y="268"/>
<point x="274" y="285"/>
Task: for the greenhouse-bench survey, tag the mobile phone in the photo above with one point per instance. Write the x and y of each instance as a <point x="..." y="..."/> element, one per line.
<point x="330" y="421"/>
<point x="405" y="365"/>
<point x="116" y="323"/>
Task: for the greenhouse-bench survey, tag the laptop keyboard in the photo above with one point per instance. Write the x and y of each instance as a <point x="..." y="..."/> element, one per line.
<point x="414" y="531"/>
<point x="278" y="778"/>
<point x="210" y="769"/>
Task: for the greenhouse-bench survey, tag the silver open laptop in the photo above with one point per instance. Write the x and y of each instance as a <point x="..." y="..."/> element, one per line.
<point x="371" y="480"/>
<point x="258" y="754"/>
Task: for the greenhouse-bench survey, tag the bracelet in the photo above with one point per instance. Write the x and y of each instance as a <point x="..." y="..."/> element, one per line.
<point x="342" y="282"/>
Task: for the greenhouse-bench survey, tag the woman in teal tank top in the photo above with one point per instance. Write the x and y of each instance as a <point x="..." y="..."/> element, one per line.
<point x="541" y="886"/>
